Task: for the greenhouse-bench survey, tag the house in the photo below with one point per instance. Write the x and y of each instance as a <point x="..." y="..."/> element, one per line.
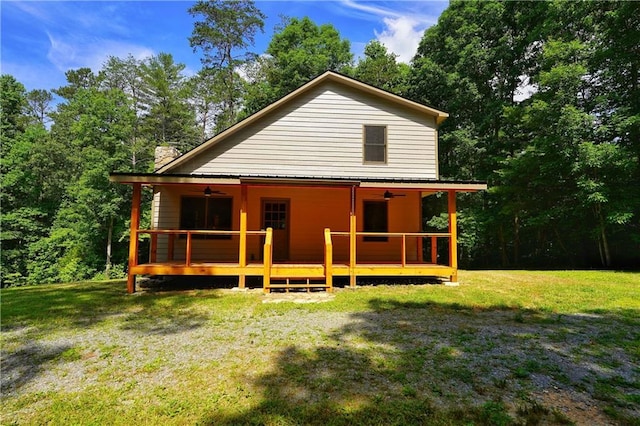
<point x="327" y="181"/>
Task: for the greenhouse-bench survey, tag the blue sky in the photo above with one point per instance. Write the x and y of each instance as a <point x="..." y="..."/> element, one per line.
<point x="40" y="40"/>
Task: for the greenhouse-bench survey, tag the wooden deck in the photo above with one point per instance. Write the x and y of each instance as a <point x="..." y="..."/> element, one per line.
<point x="293" y="275"/>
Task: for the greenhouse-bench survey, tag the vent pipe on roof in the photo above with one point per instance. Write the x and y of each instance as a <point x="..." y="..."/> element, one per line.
<point x="164" y="155"/>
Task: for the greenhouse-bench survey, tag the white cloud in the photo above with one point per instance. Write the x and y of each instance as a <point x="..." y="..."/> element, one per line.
<point x="74" y="52"/>
<point x="401" y="36"/>
<point x="368" y="9"/>
<point x="404" y="25"/>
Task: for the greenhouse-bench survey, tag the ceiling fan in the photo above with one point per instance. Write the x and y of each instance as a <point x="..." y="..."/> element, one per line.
<point x="389" y="195"/>
<point x="208" y="192"/>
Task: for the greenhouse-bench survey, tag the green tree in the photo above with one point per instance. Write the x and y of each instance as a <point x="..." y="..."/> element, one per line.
<point x="31" y="185"/>
<point x="39" y="105"/>
<point x="126" y="75"/>
<point x="92" y="126"/>
<point x="224" y="34"/>
<point x="169" y="118"/>
<point x="380" y="69"/>
<point x="206" y="96"/>
<point x="13" y="101"/>
<point x="298" y="52"/>
<point x="81" y="78"/>
<point x="554" y="161"/>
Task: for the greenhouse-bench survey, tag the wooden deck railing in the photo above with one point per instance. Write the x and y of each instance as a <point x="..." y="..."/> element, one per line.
<point x="433" y="236"/>
<point x="354" y="240"/>
<point x="173" y="233"/>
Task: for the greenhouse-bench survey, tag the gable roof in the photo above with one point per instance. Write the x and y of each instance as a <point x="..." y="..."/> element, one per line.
<point x="328" y="76"/>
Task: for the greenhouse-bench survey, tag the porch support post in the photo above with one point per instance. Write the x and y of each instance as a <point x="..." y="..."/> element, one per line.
<point x="352" y="239"/>
<point x="243" y="236"/>
<point x="453" y="239"/>
<point x="133" y="236"/>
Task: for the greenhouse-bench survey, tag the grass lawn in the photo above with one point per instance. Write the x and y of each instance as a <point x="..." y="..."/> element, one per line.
<point x="505" y="347"/>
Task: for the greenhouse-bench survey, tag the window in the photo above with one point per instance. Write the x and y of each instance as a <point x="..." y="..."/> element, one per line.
<point x="208" y="213"/>
<point x="375" y="219"/>
<point x="375" y="144"/>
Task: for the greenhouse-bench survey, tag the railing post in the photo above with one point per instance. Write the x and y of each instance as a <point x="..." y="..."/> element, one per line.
<point x="243" y="236"/>
<point x="404" y="250"/>
<point x="328" y="259"/>
<point x="434" y="250"/>
<point x="188" y="255"/>
<point x="266" y="283"/>
<point x="133" y="236"/>
<point x="453" y="239"/>
<point x="153" y="255"/>
<point x="352" y="250"/>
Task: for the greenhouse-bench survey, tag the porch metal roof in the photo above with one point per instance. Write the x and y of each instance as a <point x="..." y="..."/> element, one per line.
<point x="188" y="179"/>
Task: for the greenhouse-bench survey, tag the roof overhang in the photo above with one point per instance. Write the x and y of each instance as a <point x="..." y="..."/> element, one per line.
<point x="435" y="186"/>
<point x="155" y="179"/>
<point x="364" y="183"/>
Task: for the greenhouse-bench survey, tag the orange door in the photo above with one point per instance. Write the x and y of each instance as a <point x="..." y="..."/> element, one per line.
<point x="275" y="215"/>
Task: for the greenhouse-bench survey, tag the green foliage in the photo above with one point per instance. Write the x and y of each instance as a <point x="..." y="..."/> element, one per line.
<point x="544" y="104"/>
<point x="224" y="34"/>
<point x="12" y="104"/>
<point x="168" y="119"/>
<point x="298" y="52"/>
<point x="380" y="69"/>
<point x="562" y="170"/>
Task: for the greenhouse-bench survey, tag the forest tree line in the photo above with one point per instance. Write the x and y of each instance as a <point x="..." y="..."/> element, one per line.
<point x="543" y="100"/>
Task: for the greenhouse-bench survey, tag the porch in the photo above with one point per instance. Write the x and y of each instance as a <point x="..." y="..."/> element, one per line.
<point x="291" y="234"/>
<point x="289" y="274"/>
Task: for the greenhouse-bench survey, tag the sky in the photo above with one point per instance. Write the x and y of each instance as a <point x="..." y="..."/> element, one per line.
<point x="41" y="40"/>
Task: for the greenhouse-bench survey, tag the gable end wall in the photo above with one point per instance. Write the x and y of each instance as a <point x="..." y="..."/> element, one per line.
<point x="320" y="134"/>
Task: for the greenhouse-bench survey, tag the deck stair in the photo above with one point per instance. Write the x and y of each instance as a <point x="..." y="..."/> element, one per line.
<point x="297" y="284"/>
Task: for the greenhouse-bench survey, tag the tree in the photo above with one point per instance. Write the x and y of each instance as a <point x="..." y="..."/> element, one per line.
<point x="554" y="160"/>
<point x="380" y="69"/>
<point x="81" y="78"/>
<point x="303" y="50"/>
<point x="39" y="105"/>
<point x="30" y="189"/>
<point x="126" y="75"/>
<point x="93" y="126"/>
<point x="207" y="99"/>
<point x="298" y="52"/>
<point x="13" y="102"/>
<point x="169" y="119"/>
<point x="227" y="30"/>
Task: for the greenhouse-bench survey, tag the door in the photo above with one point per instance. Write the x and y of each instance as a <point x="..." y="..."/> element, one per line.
<point x="275" y="215"/>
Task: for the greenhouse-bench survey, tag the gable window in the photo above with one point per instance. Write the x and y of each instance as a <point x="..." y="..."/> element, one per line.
<point x="207" y="213"/>
<point x="375" y="144"/>
<point x="375" y="219"/>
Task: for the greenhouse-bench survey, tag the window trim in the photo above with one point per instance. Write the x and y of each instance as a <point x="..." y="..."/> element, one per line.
<point x="364" y="144"/>
<point x="364" y="221"/>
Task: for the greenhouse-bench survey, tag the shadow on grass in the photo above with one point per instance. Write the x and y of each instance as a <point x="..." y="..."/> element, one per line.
<point x="20" y="367"/>
<point x="432" y="363"/>
<point x="53" y="308"/>
<point x="41" y="313"/>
